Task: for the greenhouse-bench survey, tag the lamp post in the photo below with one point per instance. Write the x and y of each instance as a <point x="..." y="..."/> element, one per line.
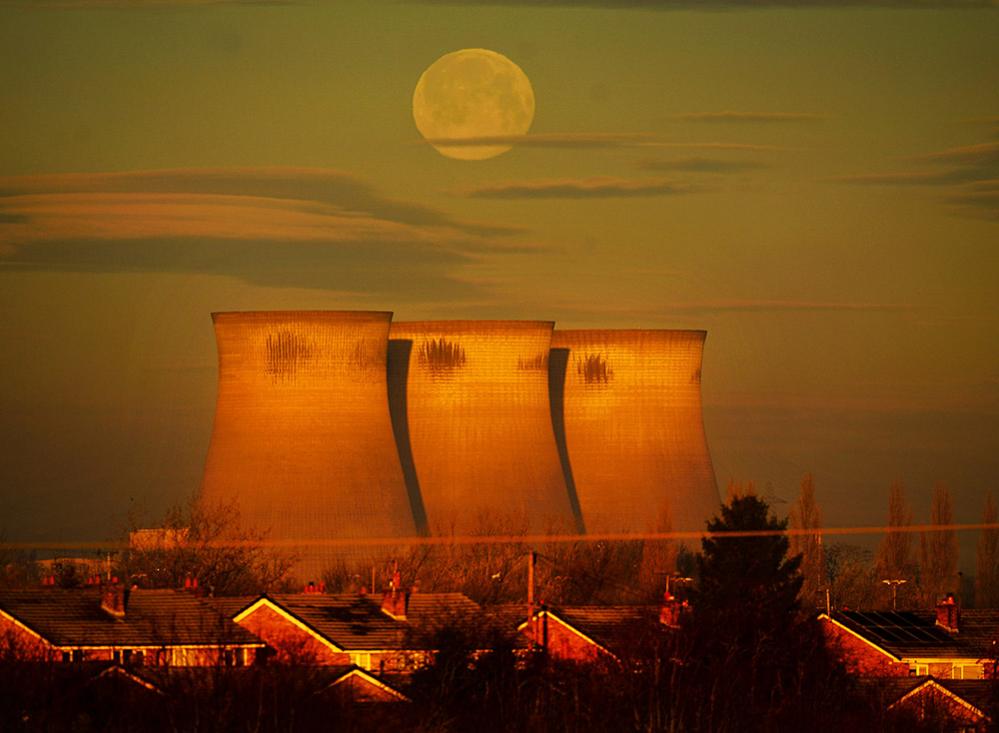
<point x="894" y="583"/>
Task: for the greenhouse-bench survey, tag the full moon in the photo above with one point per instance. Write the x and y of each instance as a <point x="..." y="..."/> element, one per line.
<point x="472" y="93"/>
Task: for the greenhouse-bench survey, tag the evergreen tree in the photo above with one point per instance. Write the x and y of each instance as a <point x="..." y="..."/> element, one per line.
<point x="746" y="583"/>
<point x="751" y="653"/>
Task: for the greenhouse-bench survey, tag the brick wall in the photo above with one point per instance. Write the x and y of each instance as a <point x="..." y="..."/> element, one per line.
<point x="860" y="657"/>
<point x="564" y="643"/>
<point x="291" y="643"/>
<point x="17" y="643"/>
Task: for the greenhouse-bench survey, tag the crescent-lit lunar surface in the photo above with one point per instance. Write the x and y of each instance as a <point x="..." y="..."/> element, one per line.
<point x="472" y="93"/>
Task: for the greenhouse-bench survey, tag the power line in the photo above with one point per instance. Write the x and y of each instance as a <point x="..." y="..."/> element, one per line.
<point x="524" y="539"/>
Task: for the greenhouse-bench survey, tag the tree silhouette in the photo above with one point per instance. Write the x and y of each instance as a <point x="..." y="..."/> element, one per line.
<point x="895" y="560"/>
<point x="805" y="515"/>
<point x="746" y="585"/>
<point x="754" y="661"/>
<point x="938" y="551"/>
<point x="987" y="572"/>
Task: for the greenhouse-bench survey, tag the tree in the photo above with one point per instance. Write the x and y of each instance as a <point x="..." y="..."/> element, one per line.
<point x="938" y="550"/>
<point x="205" y="542"/>
<point x="754" y="662"/>
<point x="659" y="557"/>
<point x="805" y="515"/>
<point x="746" y="585"/>
<point x="895" y="560"/>
<point x="852" y="580"/>
<point x="987" y="571"/>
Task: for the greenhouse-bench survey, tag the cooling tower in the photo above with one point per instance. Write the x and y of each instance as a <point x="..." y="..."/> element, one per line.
<point x="303" y="438"/>
<point x="470" y="402"/>
<point x="630" y="430"/>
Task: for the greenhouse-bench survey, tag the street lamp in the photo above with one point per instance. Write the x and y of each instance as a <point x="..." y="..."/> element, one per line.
<point x="893" y="583"/>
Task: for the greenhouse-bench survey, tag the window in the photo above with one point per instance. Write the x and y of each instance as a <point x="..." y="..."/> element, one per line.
<point x="77" y="655"/>
<point x="65" y="656"/>
<point x="361" y="659"/>
<point x="126" y="656"/>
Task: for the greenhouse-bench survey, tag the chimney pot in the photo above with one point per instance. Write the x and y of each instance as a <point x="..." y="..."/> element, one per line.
<point x="113" y="599"/>
<point x="949" y="613"/>
<point x="672" y="610"/>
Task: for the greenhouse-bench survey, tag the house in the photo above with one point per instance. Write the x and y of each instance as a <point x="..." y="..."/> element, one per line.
<point x="110" y="623"/>
<point x="595" y="633"/>
<point x="961" y="703"/>
<point x="948" y="643"/>
<point x="390" y="635"/>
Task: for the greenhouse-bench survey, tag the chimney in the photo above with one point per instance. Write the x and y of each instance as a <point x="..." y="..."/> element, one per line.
<point x="395" y="602"/>
<point x="113" y="599"/>
<point x="949" y="614"/>
<point x="672" y="611"/>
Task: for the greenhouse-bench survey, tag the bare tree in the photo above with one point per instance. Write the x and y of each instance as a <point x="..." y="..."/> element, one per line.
<point x="207" y="543"/>
<point x="895" y="555"/>
<point x="658" y="557"/>
<point x="987" y="572"/>
<point x="938" y="550"/>
<point x="806" y="515"/>
<point x="852" y="578"/>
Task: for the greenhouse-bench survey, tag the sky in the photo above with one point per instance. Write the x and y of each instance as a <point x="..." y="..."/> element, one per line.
<point x="816" y="184"/>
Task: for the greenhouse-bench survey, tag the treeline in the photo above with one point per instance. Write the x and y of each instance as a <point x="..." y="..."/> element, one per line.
<point x="909" y="569"/>
<point x="227" y="559"/>
<point x="743" y="658"/>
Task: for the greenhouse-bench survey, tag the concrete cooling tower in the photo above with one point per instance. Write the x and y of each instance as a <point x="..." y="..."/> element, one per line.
<point x="472" y="418"/>
<point x="627" y="413"/>
<point x="303" y="438"/>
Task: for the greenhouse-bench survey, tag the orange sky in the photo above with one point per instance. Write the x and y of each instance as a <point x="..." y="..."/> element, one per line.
<point x="816" y="187"/>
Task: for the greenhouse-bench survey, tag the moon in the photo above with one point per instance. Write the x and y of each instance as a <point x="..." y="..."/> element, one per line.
<point x="472" y="93"/>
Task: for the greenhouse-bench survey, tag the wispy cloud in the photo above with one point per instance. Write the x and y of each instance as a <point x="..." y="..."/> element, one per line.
<point x="771" y="306"/>
<point x="319" y="185"/>
<point x="751" y="117"/>
<point x="907" y="178"/>
<point x="578" y="188"/>
<point x="274" y="226"/>
<point x="572" y="140"/>
<point x="695" y="164"/>
<point x="968" y="172"/>
<point x="138" y="4"/>
<point x="709" y="5"/>
<point x="594" y="141"/>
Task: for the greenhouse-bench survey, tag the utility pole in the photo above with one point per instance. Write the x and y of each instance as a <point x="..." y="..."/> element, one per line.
<point x="894" y="583"/>
<point x="825" y="590"/>
<point x="532" y="561"/>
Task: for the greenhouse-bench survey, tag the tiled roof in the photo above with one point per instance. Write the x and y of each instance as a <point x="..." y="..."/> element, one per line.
<point x="73" y="618"/>
<point x="357" y="623"/>
<point x="915" y="634"/>
<point x="893" y="689"/>
<point x="615" y="628"/>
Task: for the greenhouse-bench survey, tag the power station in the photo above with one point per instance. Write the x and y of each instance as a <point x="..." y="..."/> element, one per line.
<point x="332" y="426"/>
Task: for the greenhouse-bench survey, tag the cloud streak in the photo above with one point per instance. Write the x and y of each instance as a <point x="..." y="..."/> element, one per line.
<point x="273" y="226"/>
<point x="579" y="188"/>
<point x="969" y="173"/>
<point x="593" y="141"/>
<point x="749" y="117"/>
<point x="695" y="164"/>
<point x="137" y="4"/>
<point x="708" y="5"/>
